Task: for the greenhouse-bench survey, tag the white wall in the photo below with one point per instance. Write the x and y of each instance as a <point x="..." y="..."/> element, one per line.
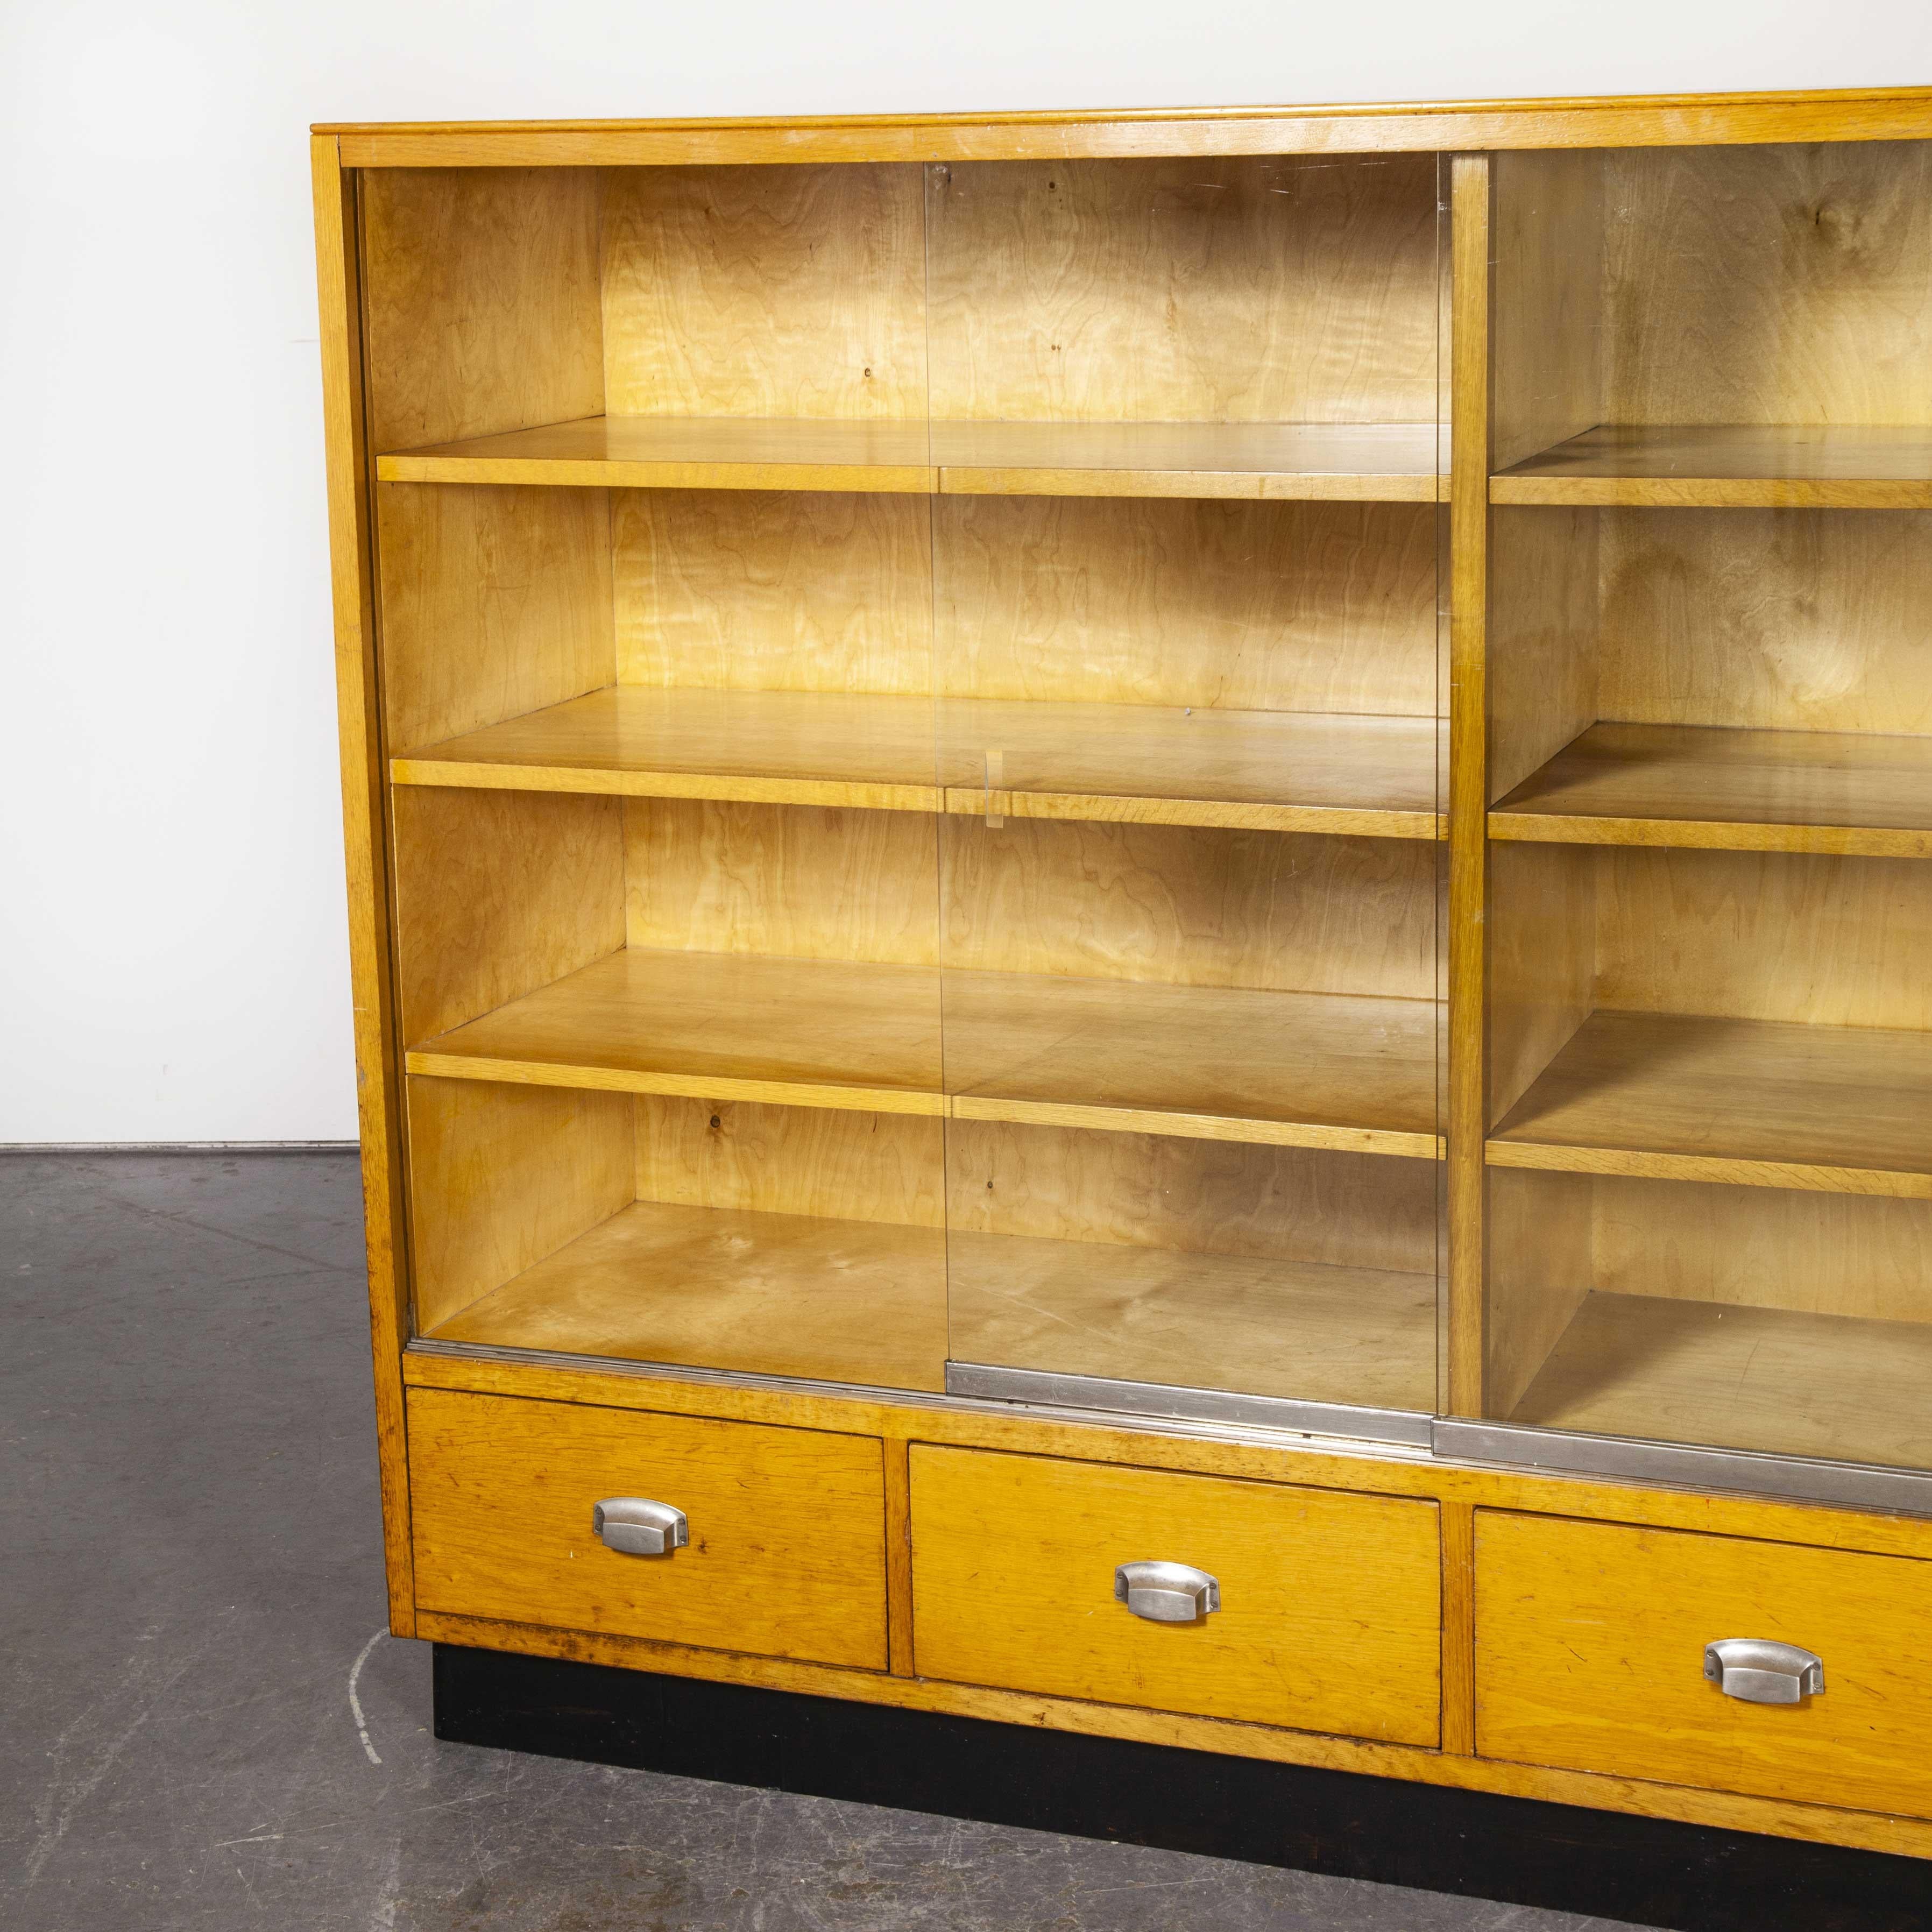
<point x="172" y="963"/>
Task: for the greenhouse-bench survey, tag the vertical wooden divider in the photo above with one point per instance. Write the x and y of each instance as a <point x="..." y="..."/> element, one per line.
<point x="1470" y="203"/>
<point x="359" y="715"/>
<point x="898" y="1555"/>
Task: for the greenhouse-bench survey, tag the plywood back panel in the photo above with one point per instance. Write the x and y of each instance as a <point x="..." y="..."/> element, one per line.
<point x="503" y="1176"/>
<point x="1765" y="935"/>
<point x="757" y="590"/>
<point x="1808" y="620"/>
<point x="799" y="881"/>
<point x="498" y="893"/>
<point x="1543" y="666"/>
<point x="494" y="602"/>
<point x="1257" y="289"/>
<point x="1271" y="911"/>
<point x="1196" y="1197"/>
<point x="1292" y="606"/>
<point x="791" y="1160"/>
<point x="1769" y="284"/>
<point x="1547" y="239"/>
<point x="480" y="288"/>
<point x="1762" y="1247"/>
<point x="765" y="291"/>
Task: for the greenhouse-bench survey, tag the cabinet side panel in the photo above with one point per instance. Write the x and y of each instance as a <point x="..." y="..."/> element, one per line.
<point x="500" y="1177"/>
<point x="1540" y="1263"/>
<point x="496" y="601"/>
<point x="482" y="301"/>
<point x="1543" y="638"/>
<point x="1548" y="319"/>
<point x="1542" y="920"/>
<point x="337" y="275"/>
<point x="498" y="893"/>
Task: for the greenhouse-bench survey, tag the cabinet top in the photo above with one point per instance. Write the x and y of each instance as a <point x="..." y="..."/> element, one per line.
<point x="1685" y="120"/>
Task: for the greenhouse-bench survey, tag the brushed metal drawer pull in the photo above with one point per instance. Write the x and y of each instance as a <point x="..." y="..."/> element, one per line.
<point x="1761" y="1671"/>
<point x="1167" y="1593"/>
<point x="635" y="1526"/>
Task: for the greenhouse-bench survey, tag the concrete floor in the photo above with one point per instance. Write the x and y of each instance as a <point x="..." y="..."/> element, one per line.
<point x="192" y="1609"/>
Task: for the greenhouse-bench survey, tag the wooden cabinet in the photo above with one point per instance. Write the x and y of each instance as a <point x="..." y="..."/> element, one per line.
<point x="1125" y="799"/>
<point x="1590" y="1653"/>
<point x="785" y="1553"/>
<point x="1327" y="1612"/>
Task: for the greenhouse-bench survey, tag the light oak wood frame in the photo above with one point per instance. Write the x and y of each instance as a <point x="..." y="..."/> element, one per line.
<point x="1479" y="134"/>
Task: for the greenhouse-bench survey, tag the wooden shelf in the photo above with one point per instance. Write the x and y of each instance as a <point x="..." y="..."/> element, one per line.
<point x="1726" y="465"/>
<point x="1340" y="462"/>
<point x="1740" y="1378"/>
<point x="1274" y="771"/>
<point x="1840" y="1109"/>
<point x="1745" y="790"/>
<point x="1258" y="1326"/>
<point x="774" y="1294"/>
<point x="1292" y="1069"/>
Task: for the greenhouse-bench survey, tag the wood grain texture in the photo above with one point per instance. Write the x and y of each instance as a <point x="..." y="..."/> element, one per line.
<point x="1183" y="1447"/>
<point x="1542" y="919"/>
<point x="495" y="603"/>
<point x="504" y="1490"/>
<point x="1206" y="1063"/>
<point x="641" y="452"/>
<point x="1144" y="1314"/>
<point x="1762" y="935"/>
<point x="803" y="882"/>
<point x="716" y="1027"/>
<point x="1590" y="1641"/>
<point x="1314" y="1207"/>
<point x="1541" y="1269"/>
<point x="502" y="1176"/>
<point x="766" y="292"/>
<point x="1248" y="291"/>
<point x="791" y="1160"/>
<point x="482" y="302"/>
<point x="1467" y="1061"/>
<point x="768" y="591"/>
<point x="1280" y="911"/>
<point x="1281" y="771"/>
<point x="1791" y="620"/>
<point x="1547" y="325"/>
<point x="1762" y="1101"/>
<point x="1666" y="1369"/>
<point x="360" y="752"/>
<point x="1811" y="1252"/>
<point x="1251" y="607"/>
<point x="899" y="1629"/>
<point x="1852" y="794"/>
<point x="863" y="1302"/>
<point x="497" y="894"/>
<point x="1358" y="1657"/>
<point x="1457" y="1530"/>
<point x="1729" y="466"/>
<point x="1783" y="285"/>
<point x="1646" y="120"/>
<point x="1543" y="674"/>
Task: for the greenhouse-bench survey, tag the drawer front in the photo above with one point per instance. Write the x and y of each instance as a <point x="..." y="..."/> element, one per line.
<point x="1590" y="1643"/>
<point x="786" y="1553"/>
<point x="1330" y="1616"/>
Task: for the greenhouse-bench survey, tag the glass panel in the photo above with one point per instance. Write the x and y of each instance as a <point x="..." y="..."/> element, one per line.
<point x="1185" y="582"/>
<point x="1711" y="905"/>
<point x="665" y="829"/>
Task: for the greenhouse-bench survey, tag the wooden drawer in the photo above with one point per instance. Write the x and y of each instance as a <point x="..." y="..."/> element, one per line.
<point x="787" y="1555"/>
<point x="1331" y="1604"/>
<point x="1590" y="1653"/>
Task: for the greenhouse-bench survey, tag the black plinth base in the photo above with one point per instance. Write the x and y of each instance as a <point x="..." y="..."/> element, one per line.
<point x="1650" y="1872"/>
